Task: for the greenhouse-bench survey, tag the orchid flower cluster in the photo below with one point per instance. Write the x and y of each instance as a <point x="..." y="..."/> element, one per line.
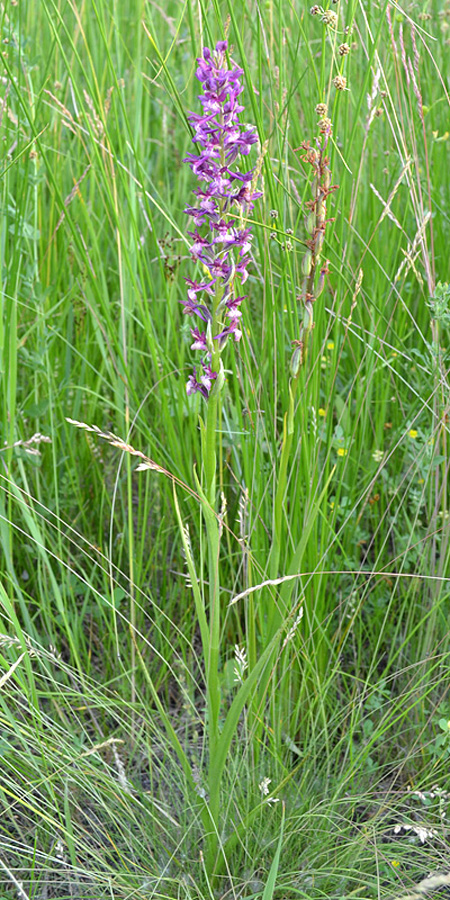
<point x="225" y="197"/>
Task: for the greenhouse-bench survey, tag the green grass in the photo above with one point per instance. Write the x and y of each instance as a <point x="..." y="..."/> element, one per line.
<point x="103" y="673"/>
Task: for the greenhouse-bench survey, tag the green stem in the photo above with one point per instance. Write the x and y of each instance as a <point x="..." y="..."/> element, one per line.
<point x="212" y="650"/>
<point x="213" y="539"/>
<point x="210" y="450"/>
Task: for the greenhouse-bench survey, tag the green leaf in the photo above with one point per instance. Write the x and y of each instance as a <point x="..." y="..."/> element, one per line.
<point x="199" y="607"/>
<point x="270" y="885"/>
<point x="297" y="556"/>
<point x="232" y="719"/>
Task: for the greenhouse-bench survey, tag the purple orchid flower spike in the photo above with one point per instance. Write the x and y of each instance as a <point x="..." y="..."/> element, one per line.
<point x="225" y="197"/>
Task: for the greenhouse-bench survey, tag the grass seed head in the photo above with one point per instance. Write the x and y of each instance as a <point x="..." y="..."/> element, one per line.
<point x="325" y="125"/>
<point x="321" y="110"/>
<point x="340" y="82"/>
<point x="330" y="18"/>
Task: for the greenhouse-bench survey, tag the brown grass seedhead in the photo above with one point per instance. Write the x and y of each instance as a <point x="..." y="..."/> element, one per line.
<point x="314" y="271"/>
<point x="330" y="18"/>
<point x="325" y="125"/>
<point x="340" y="82"/>
<point x="321" y="110"/>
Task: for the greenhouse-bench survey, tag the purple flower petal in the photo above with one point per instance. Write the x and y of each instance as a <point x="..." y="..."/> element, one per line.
<point x="199" y="340"/>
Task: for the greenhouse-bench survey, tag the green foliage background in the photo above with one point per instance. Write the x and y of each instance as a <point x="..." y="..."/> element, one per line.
<point x="94" y="603"/>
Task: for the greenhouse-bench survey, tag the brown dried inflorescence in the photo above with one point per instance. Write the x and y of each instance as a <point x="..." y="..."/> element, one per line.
<point x="325" y="126"/>
<point x="314" y="271"/>
<point x="330" y="18"/>
<point x="340" y="82"/>
<point x="321" y="110"/>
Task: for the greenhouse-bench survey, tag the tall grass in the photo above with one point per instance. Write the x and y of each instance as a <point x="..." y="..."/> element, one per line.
<point x="334" y="541"/>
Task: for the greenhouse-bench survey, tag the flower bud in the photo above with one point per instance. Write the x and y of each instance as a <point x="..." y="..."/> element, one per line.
<point x="321" y="212"/>
<point x="311" y="222"/>
<point x="307" y="263"/>
<point x="308" y="316"/>
<point x="320" y="284"/>
<point x="219" y="381"/>
<point x="296" y="361"/>
<point x="209" y="339"/>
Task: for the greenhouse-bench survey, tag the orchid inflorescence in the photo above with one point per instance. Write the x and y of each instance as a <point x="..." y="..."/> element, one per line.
<point x="224" y="199"/>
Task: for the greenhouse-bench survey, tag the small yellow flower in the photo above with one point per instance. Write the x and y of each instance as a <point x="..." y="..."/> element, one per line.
<point x="420" y="481"/>
<point x="443" y="137"/>
<point x="394" y="354"/>
<point x="342" y="451"/>
<point x="322" y="412"/>
<point x="330" y="345"/>
<point x="413" y="434"/>
<point x="395" y="863"/>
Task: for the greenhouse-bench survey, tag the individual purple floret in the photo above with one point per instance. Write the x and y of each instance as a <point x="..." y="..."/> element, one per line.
<point x="225" y="197"/>
<point x="205" y="383"/>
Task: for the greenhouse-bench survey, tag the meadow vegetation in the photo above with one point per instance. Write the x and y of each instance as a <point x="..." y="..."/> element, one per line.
<point x="224" y="637"/>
